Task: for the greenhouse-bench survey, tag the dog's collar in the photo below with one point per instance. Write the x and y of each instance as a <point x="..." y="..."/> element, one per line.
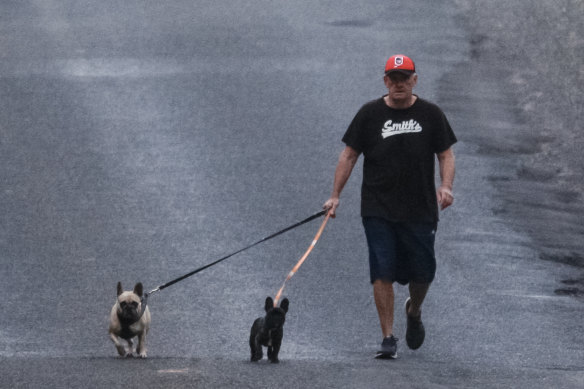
<point x="125" y="323"/>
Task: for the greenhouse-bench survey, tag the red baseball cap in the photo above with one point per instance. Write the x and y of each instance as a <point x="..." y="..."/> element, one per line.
<point x="400" y="63"/>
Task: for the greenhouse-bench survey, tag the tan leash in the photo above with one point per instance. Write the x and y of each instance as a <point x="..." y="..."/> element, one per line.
<point x="302" y="259"/>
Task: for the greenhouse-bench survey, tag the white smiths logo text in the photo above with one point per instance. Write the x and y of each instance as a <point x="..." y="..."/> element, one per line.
<point x="390" y="128"/>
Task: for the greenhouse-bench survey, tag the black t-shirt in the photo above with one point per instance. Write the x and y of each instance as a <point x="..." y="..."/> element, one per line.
<point x="399" y="146"/>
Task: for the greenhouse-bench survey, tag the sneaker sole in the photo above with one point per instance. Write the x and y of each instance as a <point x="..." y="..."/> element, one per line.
<point x="381" y="355"/>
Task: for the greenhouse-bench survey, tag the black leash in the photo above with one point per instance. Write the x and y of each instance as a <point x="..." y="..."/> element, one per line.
<point x="159" y="288"/>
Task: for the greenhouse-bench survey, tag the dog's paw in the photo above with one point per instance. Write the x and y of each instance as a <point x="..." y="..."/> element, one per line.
<point x="275" y="360"/>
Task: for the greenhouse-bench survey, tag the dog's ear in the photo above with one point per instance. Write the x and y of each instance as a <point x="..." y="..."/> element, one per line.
<point x="284" y="305"/>
<point x="138" y="289"/>
<point x="120" y="289"/>
<point x="269" y="304"/>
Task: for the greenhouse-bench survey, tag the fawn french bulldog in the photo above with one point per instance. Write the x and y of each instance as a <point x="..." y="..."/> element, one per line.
<point x="128" y="321"/>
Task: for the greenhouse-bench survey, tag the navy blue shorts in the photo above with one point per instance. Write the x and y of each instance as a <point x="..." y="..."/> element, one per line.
<point x="400" y="252"/>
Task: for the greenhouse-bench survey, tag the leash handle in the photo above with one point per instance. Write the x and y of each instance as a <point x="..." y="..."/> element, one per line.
<point x="302" y="259"/>
<point x="310" y="218"/>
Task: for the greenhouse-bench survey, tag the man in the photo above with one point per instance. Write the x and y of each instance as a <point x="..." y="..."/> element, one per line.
<point x="399" y="135"/>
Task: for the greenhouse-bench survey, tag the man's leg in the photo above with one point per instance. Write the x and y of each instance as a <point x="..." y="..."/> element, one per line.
<point x="417" y="296"/>
<point x="415" y="332"/>
<point x="384" y="301"/>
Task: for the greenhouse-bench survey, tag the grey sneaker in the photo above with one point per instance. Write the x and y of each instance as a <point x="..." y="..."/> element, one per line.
<point x="415" y="333"/>
<point x="388" y="348"/>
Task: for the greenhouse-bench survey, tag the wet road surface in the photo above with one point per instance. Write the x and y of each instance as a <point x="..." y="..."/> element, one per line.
<point x="141" y="140"/>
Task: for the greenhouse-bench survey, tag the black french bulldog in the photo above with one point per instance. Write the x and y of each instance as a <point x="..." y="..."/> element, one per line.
<point x="268" y="331"/>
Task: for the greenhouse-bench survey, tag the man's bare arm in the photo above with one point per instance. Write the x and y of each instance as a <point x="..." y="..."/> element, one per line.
<point x="347" y="160"/>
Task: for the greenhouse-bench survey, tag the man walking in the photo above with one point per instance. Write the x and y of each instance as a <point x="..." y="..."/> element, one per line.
<point x="399" y="136"/>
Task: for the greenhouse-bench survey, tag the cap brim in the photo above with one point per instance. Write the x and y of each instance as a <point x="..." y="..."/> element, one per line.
<point x="402" y="71"/>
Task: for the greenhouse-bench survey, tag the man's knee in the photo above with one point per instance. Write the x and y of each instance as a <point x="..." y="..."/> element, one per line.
<point x="382" y="282"/>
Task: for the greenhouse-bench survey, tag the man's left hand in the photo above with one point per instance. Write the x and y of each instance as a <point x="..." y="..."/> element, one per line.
<point x="445" y="197"/>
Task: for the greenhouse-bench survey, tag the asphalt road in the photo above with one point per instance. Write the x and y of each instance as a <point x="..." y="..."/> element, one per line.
<point x="140" y="140"/>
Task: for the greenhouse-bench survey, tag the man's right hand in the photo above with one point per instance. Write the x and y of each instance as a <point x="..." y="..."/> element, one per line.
<point x="331" y="206"/>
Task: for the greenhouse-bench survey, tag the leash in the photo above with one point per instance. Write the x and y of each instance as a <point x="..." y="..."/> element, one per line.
<point x="161" y="287"/>
<point x="144" y="302"/>
<point x="302" y="259"/>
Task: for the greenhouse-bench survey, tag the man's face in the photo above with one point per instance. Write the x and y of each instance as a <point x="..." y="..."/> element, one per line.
<point x="400" y="85"/>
